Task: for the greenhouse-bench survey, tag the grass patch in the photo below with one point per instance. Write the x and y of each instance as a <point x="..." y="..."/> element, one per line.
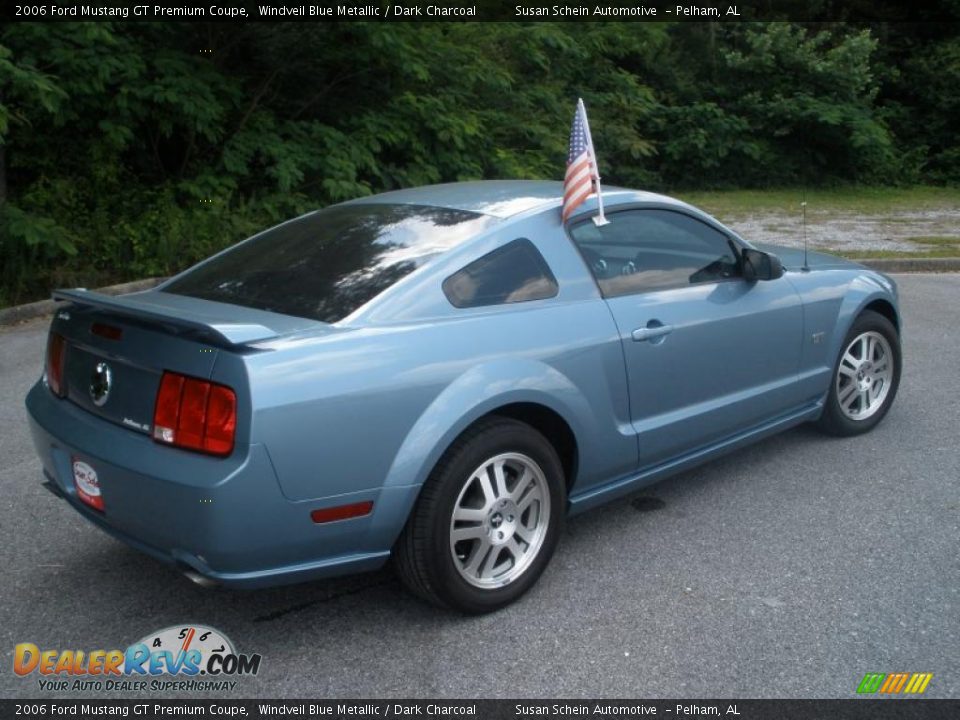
<point x="845" y="200"/>
<point x="928" y="246"/>
<point x="934" y="240"/>
<point x="861" y="254"/>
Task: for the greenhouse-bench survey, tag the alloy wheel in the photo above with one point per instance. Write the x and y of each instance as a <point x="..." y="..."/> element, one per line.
<point x="499" y="520"/>
<point x="865" y="375"/>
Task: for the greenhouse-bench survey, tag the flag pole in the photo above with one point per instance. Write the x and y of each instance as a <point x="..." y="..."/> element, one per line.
<point x="600" y="219"/>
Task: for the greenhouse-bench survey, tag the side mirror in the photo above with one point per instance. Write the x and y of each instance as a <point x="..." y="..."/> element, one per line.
<point x="758" y="265"/>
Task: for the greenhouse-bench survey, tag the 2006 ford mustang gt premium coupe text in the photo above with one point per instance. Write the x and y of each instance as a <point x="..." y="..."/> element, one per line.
<point x="441" y="375"/>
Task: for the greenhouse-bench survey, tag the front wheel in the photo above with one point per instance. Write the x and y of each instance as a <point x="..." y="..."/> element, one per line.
<point x="865" y="378"/>
<point x="487" y="520"/>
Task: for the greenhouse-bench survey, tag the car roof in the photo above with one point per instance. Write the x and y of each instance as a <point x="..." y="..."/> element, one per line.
<point x="501" y="198"/>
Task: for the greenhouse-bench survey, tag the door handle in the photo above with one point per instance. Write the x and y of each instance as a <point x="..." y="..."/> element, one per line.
<point x="654" y="329"/>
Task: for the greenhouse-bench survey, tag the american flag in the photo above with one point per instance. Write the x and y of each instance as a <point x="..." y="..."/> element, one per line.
<point x="582" y="174"/>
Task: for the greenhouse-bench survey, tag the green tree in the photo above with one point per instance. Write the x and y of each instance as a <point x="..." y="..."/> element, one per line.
<point x="131" y="149"/>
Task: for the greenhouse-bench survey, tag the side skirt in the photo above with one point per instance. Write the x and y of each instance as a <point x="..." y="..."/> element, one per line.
<point x="631" y="483"/>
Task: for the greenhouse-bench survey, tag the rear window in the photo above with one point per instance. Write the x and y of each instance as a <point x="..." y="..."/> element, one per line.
<point x="325" y="265"/>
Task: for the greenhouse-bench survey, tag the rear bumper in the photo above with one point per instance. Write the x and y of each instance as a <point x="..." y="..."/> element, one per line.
<point x="225" y="519"/>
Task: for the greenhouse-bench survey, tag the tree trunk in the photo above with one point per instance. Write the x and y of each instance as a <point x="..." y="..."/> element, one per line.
<point x="3" y="174"/>
<point x="3" y="162"/>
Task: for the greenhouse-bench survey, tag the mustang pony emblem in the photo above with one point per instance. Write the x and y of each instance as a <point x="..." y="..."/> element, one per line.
<point x="100" y="384"/>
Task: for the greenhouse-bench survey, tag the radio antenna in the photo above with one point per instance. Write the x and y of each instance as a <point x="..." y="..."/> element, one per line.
<point x="803" y="206"/>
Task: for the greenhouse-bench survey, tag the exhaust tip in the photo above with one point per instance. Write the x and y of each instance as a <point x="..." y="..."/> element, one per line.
<point x="52" y="486"/>
<point x="201" y="580"/>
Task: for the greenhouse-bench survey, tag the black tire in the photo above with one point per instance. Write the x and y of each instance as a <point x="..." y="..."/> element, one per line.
<point x="834" y="420"/>
<point x="423" y="557"/>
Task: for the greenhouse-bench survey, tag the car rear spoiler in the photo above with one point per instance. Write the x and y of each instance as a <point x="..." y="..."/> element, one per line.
<point x="221" y="324"/>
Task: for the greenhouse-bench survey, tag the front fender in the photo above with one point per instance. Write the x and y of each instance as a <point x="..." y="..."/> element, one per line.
<point x="863" y="290"/>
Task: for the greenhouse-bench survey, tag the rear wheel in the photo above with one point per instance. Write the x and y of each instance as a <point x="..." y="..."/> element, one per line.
<point x="487" y="520"/>
<point x="866" y="377"/>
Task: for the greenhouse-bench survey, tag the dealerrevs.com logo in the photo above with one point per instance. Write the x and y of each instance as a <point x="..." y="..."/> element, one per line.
<point x="180" y="657"/>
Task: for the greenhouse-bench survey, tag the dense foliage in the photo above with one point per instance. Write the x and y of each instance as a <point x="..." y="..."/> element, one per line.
<point x="134" y="150"/>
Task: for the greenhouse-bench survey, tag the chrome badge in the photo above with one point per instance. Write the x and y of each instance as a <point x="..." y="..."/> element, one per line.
<point x="100" y="384"/>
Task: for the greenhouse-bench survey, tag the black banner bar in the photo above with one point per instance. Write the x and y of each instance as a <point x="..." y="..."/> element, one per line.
<point x="853" y="709"/>
<point x="479" y="10"/>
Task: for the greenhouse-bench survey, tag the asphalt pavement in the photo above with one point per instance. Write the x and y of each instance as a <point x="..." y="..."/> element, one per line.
<point x="789" y="569"/>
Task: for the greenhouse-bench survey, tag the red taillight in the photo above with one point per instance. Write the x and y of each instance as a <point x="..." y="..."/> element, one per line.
<point x="166" y="412"/>
<point x="221" y="420"/>
<point x="195" y="414"/>
<point x="56" y="354"/>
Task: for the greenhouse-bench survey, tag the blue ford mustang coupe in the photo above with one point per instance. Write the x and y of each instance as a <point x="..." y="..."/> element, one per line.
<point x="441" y="375"/>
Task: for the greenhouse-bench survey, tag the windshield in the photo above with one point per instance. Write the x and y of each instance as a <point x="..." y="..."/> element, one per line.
<point x="325" y="265"/>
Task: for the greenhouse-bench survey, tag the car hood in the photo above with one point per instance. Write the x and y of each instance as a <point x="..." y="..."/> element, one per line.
<point x="792" y="258"/>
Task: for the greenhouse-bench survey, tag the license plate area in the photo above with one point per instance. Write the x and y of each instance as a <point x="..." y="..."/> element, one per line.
<point x="87" y="484"/>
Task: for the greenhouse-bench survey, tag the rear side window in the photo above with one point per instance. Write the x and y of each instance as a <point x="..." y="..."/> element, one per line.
<point x="513" y="273"/>
<point x="327" y="264"/>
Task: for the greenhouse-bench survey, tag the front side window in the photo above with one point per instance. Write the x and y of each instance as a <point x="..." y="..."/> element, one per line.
<point x="327" y="264"/>
<point x="644" y="250"/>
<point x="513" y="273"/>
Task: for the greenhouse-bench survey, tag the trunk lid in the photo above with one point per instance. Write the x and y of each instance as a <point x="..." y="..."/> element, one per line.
<point x="117" y="348"/>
